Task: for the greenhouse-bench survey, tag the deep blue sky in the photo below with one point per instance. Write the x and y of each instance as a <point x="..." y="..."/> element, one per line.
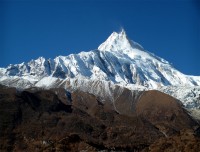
<point x="48" y="28"/>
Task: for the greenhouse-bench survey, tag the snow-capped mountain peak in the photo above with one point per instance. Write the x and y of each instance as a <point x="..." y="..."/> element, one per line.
<point x="116" y="42"/>
<point x="118" y="61"/>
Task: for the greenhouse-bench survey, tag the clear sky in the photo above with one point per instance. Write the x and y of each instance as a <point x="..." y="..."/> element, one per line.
<point x="49" y="28"/>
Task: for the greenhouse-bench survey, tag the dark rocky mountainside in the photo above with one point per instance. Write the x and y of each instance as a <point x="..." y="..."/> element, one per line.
<point x="56" y="120"/>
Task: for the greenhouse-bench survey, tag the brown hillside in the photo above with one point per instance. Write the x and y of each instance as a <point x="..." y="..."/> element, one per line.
<point x="163" y="111"/>
<point x="56" y="120"/>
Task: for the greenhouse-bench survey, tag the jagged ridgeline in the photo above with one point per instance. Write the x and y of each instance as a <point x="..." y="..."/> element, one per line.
<point x="118" y="61"/>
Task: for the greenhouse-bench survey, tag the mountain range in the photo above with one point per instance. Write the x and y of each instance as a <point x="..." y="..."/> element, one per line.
<point x="117" y="63"/>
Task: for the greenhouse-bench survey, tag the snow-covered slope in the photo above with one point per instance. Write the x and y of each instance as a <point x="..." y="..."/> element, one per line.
<point x="118" y="61"/>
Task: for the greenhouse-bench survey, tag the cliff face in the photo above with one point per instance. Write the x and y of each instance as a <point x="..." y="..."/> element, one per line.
<point x="56" y="120"/>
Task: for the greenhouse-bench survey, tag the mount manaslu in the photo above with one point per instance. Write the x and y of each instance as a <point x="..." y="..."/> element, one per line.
<point x="118" y="63"/>
<point x="118" y="98"/>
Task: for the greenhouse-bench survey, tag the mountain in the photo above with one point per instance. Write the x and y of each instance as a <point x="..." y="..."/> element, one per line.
<point x="118" y="63"/>
<point x="118" y="97"/>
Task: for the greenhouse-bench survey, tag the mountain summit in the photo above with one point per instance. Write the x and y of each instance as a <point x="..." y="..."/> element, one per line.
<point x="118" y="42"/>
